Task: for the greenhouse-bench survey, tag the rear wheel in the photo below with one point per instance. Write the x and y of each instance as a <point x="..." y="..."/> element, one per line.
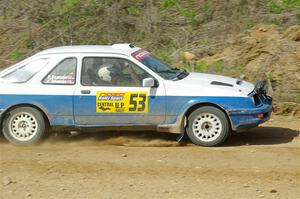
<point x="208" y="126"/>
<point x="24" y="126"/>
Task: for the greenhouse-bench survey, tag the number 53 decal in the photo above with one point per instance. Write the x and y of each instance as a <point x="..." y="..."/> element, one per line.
<point x="138" y="102"/>
<point x="122" y="102"/>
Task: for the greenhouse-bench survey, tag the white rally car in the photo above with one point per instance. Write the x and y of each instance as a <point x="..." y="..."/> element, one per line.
<point x="81" y="88"/>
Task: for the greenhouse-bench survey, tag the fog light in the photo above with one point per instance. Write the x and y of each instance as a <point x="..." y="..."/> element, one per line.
<point x="261" y="116"/>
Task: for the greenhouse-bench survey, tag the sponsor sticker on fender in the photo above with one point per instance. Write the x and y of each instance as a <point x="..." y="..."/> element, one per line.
<point x="122" y="102"/>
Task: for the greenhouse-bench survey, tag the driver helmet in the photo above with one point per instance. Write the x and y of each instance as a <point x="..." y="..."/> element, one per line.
<point x="106" y="72"/>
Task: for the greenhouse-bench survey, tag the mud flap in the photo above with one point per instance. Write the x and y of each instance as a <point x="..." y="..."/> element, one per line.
<point x="179" y="137"/>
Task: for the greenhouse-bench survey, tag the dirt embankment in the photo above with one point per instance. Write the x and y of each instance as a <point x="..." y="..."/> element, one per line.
<point x="262" y="163"/>
<point x="269" y="53"/>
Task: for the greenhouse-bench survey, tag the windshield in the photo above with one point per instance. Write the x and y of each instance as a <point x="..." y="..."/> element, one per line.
<point x="159" y="67"/>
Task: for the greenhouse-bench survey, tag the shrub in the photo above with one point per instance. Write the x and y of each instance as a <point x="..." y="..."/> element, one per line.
<point x="275" y="8"/>
<point x="133" y="11"/>
<point x="16" y="55"/>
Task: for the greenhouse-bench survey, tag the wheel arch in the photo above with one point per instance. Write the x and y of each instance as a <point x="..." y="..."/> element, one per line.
<point x="201" y="104"/>
<point x="4" y="114"/>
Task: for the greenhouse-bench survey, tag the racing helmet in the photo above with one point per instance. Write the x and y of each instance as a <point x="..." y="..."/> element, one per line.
<point x="106" y="72"/>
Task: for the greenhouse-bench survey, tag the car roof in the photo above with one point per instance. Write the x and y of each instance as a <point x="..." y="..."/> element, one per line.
<point x="123" y="48"/>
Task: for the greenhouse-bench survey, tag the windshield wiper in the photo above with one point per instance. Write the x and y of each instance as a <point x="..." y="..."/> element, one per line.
<point x="182" y="73"/>
<point x="166" y="71"/>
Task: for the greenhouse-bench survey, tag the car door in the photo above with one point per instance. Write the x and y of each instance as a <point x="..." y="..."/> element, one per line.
<point x="111" y="93"/>
<point x="56" y="90"/>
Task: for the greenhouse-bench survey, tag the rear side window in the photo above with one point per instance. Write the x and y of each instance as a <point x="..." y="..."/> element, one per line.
<point x="26" y="72"/>
<point x="63" y="73"/>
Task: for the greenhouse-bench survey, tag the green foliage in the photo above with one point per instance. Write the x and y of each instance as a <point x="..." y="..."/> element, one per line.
<point x="66" y="20"/>
<point x="94" y="2"/>
<point x="190" y="15"/>
<point x="298" y="15"/>
<point x="207" y="5"/>
<point x="187" y="13"/>
<point x="70" y="4"/>
<point x="219" y="65"/>
<point x="270" y="76"/>
<point x="16" y="55"/>
<point x="168" y="4"/>
<point x="202" y="66"/>
<point x="163" y="55"/>
<point x="291" y="3"/>
<point x="234" y="71"/>
<point x="132" y="11"/>
<point x="25" y="37"/>
<point x="297" y="99"/>
<point x="91" y="8"/>
<point x="108" y="2"/>
<point x="249" y="24"/>
<point x="275" y="8"/>
<point x="204" y="42"/>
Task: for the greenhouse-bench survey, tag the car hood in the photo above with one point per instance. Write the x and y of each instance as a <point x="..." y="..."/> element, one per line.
<point x="216" y="84"/>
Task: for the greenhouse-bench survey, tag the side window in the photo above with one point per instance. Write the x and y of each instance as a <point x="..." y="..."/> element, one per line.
<point x="99" y="71"/>
<point x="63" y="73"/>
<point x="26" y="72"/>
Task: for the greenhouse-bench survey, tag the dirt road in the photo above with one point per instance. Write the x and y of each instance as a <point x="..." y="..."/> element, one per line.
<point x="262" y="163"/>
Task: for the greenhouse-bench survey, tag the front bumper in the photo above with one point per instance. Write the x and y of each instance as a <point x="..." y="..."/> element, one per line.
<point x="242" y="120"/>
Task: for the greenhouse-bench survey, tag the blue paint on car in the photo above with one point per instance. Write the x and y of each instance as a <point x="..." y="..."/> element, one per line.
<point x="59" y="109"/>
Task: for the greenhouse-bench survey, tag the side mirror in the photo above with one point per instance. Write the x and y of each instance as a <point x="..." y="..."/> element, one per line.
<point x="148" y="82"/>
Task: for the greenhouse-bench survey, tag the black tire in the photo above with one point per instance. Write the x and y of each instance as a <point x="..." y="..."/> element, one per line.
<point x="208" y="126"/>
<point x="24" y="126"/>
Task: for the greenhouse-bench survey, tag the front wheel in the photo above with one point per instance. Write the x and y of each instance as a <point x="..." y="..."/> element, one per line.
<point x="208" y="126"/>
<point x="24" y="126"/>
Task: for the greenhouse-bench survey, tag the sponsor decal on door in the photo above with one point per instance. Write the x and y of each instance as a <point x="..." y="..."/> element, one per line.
<point x="122" y="102"/>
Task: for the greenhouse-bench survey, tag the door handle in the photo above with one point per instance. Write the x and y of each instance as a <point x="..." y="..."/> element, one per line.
<point x="85" y="92"/>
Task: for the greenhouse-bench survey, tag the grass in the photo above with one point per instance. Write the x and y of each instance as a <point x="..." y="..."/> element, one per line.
<point x="186" y="12"/>
<point x="219" y="65"/>
<point x="16" y="55"/>
<point x="207" y="5"/>
<point x="168" y="4"/>
<point x="275" y="8"/>
<point x="291" y="3"/>
<point x="132" y="11"/>
<point x="249" y="24"/>
<point x="235" y="71"/>
<point x="298" y="15"/>
<point x="163" y="55"/>
<point x="202" y="66"/>
<point x="70" y="4"/>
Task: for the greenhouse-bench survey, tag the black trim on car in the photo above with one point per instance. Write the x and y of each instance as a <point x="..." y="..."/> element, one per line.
<point x="220" y="83"/>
